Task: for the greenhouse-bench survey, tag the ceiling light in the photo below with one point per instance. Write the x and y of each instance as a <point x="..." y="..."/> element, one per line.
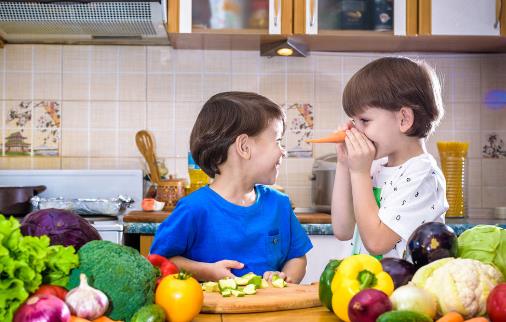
<point x="288" y="47"/>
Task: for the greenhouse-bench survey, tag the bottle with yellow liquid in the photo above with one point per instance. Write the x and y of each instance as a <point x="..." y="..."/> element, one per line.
<point x="198" y="178"/>
<point x="453" y="163"/>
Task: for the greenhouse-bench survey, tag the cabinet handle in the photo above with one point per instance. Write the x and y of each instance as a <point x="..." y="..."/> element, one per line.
<point x="498" y="12"/>
<point x="276" y="12"/>
<point x="311" y="12"/>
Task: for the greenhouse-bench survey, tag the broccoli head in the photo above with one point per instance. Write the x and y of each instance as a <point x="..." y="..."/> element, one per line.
<point x="126" y="277"/>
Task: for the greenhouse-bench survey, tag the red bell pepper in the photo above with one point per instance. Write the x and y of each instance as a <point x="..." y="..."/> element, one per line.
<point x="166" y="266"/>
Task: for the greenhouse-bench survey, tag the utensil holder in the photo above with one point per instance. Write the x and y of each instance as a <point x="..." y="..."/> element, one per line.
<point x="170" y="192"/>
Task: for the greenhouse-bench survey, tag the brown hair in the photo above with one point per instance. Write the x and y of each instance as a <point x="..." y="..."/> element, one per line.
<point x="393" y="82"/>
<point x="222" y="119"/>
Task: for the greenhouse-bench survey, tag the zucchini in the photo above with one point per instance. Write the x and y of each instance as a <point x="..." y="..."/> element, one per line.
<point x="278" y="281"/>
<point x="237" y="293"/>
<point x="149" y="313"/>
<point x="210" y="287"/>
<point x="249" y="289"/>
<point x="226" y="292"/>
<point x="403" y="316"/>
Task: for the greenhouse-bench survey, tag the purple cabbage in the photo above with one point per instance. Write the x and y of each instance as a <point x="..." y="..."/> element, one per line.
<point x="63" y="227"/>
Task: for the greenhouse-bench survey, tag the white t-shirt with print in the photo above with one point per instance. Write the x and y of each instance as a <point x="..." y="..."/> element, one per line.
<point x="411" y="194"/>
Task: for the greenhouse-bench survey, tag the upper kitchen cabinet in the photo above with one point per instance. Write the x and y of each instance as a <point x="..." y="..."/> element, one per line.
<point x="355" y="17"/>
<point x="462" y="17"/>
<point x="243" y="17"/>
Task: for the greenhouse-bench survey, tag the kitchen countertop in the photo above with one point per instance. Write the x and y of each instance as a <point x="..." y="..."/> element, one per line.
<point x="319" y="314"/>
<point x="314" y="223"/>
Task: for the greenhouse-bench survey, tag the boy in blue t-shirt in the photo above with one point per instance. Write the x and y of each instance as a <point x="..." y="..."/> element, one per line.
<point x="236" y="224"/>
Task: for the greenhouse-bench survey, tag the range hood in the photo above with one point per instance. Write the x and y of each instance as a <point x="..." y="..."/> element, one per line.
<point x="84" y="22"/>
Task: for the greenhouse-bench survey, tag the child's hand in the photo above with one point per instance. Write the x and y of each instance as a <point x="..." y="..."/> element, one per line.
<point x="222" y="269"/>
<point x="268" y="276"/>
<point x="361" y="151"/>
<point x="342" y="155"/>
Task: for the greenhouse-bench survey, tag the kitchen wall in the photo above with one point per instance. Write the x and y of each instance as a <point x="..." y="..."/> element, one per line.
<point x="80" y="106"/>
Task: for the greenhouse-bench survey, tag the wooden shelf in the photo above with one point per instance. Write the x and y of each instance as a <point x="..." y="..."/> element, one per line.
<point x="346" y="41"/>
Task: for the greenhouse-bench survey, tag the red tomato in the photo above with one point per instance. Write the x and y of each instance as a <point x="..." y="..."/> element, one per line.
<point x="496" y="303"/>
<point x="57" y="291"/>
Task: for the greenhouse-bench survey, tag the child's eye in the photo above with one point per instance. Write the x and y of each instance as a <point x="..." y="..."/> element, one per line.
<point x="364" y="120"/>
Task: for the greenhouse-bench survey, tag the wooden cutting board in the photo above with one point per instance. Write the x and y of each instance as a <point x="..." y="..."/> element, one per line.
<point x="270" y="299"/>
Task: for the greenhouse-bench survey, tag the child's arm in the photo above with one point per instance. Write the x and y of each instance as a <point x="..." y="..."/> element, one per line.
<point x="207" y="271"/>
<point x="343" y="220"/>
<point x="376" y="236"/>
<point x="293" y="271"/>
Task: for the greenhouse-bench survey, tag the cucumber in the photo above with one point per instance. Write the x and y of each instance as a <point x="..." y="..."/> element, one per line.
<point x="278" y="281"/>
<point x="210" y="287"/>
<point x="403" y="316"/>
<point x="227" y="283"/>
<point x="226" y="292"/>
<point x="149" y="313"/>
<point x="241" y="281"/>
<point x="237" y="293"/>
<point x="249" y="289"/>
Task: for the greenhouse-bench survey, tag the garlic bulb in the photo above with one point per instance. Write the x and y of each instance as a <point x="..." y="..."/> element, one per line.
<point x="85" y="301"/>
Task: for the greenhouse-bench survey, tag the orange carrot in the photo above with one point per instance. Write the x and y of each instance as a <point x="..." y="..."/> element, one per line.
<point x="104" y="319"/>
<point x="451" y="317"/>
<point x="479" y="319"/>
<point x="335" y="137"/>
<point x="77" y="319"/>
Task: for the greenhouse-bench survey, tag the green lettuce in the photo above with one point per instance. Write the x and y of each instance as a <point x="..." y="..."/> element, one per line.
<point x="26" y="262"/>
<point x="485" y="243"/>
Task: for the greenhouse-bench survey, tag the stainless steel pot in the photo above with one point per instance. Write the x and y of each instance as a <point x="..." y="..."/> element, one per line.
<point x="15" y="201"/>
<point x="322" y="182"/>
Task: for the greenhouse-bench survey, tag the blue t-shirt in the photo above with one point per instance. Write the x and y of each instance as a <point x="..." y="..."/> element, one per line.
<point x="207" y="228"/>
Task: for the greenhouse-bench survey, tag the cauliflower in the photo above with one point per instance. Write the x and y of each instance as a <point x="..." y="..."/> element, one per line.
<point x="126" y="277"/>
<point x="459" y="284"/>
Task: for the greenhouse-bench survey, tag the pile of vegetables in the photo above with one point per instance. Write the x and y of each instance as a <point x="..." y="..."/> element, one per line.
<point x="26" y="262"/>
<point x="243" y="285"/>
<point x="127" y="278"/>
<point x="437" y="285"/>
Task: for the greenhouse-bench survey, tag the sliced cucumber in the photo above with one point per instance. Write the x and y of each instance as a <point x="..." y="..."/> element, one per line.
<point x="210" y="287"/>
<point x="250" y="289"/>
<point x="227" y="283"/>
<point x="237" y="293"/>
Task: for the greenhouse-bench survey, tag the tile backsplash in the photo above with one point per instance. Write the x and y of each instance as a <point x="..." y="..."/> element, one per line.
<point x="83" y="105"/>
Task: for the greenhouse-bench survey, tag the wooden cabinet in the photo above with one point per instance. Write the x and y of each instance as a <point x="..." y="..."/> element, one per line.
<point x="260" y="17"/>
<point x="462" y="17"/>
<point x="359" y="17"/>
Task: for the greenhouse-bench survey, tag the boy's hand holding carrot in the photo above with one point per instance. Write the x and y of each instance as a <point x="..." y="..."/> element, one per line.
<point x="360" y="150"/>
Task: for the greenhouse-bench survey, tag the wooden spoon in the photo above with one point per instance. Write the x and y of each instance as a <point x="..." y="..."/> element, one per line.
<point x="145" y="144"/>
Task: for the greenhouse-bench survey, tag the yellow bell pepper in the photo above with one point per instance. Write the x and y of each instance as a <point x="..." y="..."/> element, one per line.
<point x="356" y="273"/>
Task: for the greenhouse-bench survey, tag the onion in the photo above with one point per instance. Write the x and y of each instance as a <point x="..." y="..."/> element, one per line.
<point x="367" y="305"/>
<point x="43" y="308"/>
<point x="412" y="298"/>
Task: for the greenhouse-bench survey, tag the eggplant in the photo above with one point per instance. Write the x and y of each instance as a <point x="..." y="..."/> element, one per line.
<point x="399" y="269"/>
<point x="430" y="242"/>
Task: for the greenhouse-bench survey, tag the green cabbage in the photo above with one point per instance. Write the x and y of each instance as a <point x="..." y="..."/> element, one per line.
<point x="485" y="243"/>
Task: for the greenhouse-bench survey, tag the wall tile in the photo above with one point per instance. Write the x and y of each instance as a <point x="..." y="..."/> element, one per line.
<point x="132" y="115"/>
<point x="164" y="143"/>
<point x="46" y="163"/>
<point x="160" y="115"/>
<point x="301" y="64"/>
<point x="19" y="58"/>
<point x="160" y="87"/>
<point x="493" y="120"/>
<point x="328" y="88"/>
<point x="75" y="143"/>
<point x="245" y="62"/>
<point x="18" y="163"/>
<point x="75" y="114"/>
<point x="493" y="196"/>
<point x="47" y="58"/>
<point x="132" y="59"/>
<point x="104" y="86"/>
<point x="214" y="84"/>
<point x="246" y="83"/>
<point x="18" y="85"/>
<point x="47" y="86"/>
<point x="273" y="86"/>
<point x="104" y="59"/>
<point x="186" y="114"/>
<point x="474" y="172"/>
<point x="300" y="88"/>
<point x="473" y="198"/>
<point x="76" y="86"/>
<point x="104" y="143"/>
<point x="132" y="87"/>
<point x="271" y="65"/>
<point x="103" y="115"/>
<point x="299" y="196"/>
<point x="77" y="59"/>
<point x="217" y="61"/>
<point x="352" y="64"/>
<point x="126" y="144"/>
<point x="188" y="87"/>
<point x="328" y="64"/>
<point x="103" y="163"/>
<point x="74" y="163"/>
<point x="188" y="61"/>
<point x="494" y="172"/>
<point x="474" y="139"/>
<point x="160" y="59"/>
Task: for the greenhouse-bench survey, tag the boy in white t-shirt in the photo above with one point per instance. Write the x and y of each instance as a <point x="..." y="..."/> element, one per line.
<point x="386" y="184"/>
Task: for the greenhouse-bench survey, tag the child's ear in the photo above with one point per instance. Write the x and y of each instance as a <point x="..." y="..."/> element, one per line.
<point x="406" y="118"/>
<point x="242" y="146"/>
